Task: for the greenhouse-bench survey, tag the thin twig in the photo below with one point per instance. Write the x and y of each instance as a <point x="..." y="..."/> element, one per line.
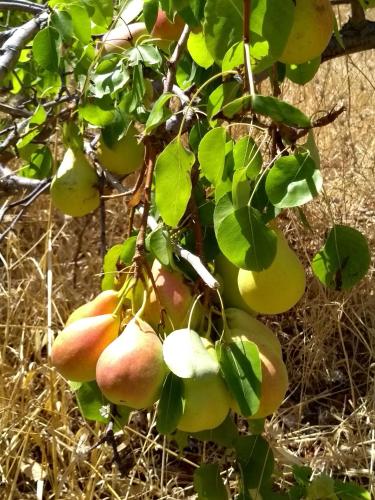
<point x="172" y="63"/>
<point x="248" y="81"/>
<point x="16" y="112"/>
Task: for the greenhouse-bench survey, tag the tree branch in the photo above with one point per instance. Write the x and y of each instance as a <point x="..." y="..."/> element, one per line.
<point x="22" y="5"/>
<point x="356" y="38"/>
<point x="172" y="63"/>
<point x="11" y="183"/>
<point x="11" y="49"/>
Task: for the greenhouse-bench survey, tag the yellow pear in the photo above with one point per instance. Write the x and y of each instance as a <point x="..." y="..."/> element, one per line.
<point x="131" y="370"/>
<point x="279" y="287"/>
<point x="240" y="322"/>
<point x="311" y="31"/>
<point x="104" y="303"/>
<point x="74" y="188"/>
<point x="125" y="156"/>
<point x="229" y="275"/>
<point x="77" y="348"/>
<point x="206" y="403"/>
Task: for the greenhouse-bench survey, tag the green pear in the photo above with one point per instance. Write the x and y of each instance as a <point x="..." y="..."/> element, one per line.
<point x="312" y="29"/>
<point x="206" y="403"/>
<point x="279" y="287"/>
<point x="74" y="187"/>
<point x="104" y="303"/>
<point x="125" y="156"/>
<point x="131" y="370"/>
<point x="254" y="330"/>
<point x="229" y="275"/>
<point x="77" y="348"/>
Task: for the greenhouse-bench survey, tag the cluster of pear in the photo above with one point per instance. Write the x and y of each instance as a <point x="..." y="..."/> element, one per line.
<point x="104" y="341"/>
<point x="75" y="186"/>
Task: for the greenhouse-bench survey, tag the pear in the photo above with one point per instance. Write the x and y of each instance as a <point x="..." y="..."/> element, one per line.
<point x="311" y="31"/>
<point x="254" y="330"/>
<point x="165" y="29"/>
<point x="77" y="348"/>
<point x="131" y="370"/>
<point x="277" y="288"/>
<point x="123" y="36"/>
<point x="229" y="274"/>
<point x="104" y="303"/>
<point x="176" y="297"/>
<point x="125" y="156"/>
<point x="206" y="403"/>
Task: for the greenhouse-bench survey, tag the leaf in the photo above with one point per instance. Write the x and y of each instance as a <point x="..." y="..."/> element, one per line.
<point x="243" y="237"/>
<point x="186" y="356"/>
<point x="160" y="246"/>
<point x="350" y="491"/>
<point x="173" y="182"/>
<point x="237" y="106"/>
<point x="293" y="181"/>
<point x="241" y="368"/>
<point x="344" y="259"/>
<point x="110" y="267"/>
<point x="211" y="154"/>
<point x="302" y="73"/>
<point x="90" y="401"/>
<point x="279" y="111"/>
<point x="256" y="461"/>
<point x="150" y="13"/>
<point x="170" y="407"/>
<point x="40" y="164"/>
<point x="223" y="94"/>
<point x="81" y="23"/>
<point x="159" y="113"/>
<point x="247" y="155"/>
<point x="46" y="48"/>
<point x="198" y="50"/>
<point x="208" y="484"/>
<point x="99" y="112"/>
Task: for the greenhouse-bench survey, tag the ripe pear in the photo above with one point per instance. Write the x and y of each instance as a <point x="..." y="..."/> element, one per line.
<point x="131" y="370"/>
<point x="206" y="403"/>
<point x="229" y="275"/>
<point x="74" y="188"/>
<point x="253" y="329"/>
<point x="311" y="31"/>
<point x="125" y="156"/>
<point x="123" y="36"/>
<point x="274" y="377"/>
<point x="104" y="303"/>
<point x="165" y="29"/>
<point x="176" y="297"/>
<point x="77" y="348"/>
<point x="279" y="287"/>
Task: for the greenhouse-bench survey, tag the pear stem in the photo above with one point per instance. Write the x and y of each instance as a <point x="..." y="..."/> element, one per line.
<point x="192" y="310"/>
<point x="225" y="323"/>
<point x="128" y="285"/>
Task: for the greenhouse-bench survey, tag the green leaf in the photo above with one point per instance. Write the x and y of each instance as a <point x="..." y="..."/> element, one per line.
<point x="241" y="189"/>
<point x="211" y="154"/>
<point x="173" y="182"/>
<point x="99" y="112"/>
<point x="279" y="111"/>
<point x="293" y="181"/>
<point x="247" y="155"/>
<point x="150" y="13"/>
<point x="109" y="77"/>
<point x="234" y="57"/>
<point x="350" y="491"/>
<point x="223" y="94"/>
<point x="237" y="106"/>
<point x="90" y="402"/>
<point x="170" y="406"/>
<point x="81" y="23"/>
<point x="160" y="245"/>
<point x="159" y="113"/>
<point x="256" y="461"/>
<point x="320" y="487"/>
<point x="302" y="73"/>
<point x="208" y="484"/>
<point x="344" y="259"/>
<point x="110" y="267"/>
<point x="241" y="367"/>
<point x="40" y="164"/>
<point x="46" y="48"/>
<point x="128" y="250"/>
<point x="198" y="50"/>
<point x="186" y="356"/>
<point x="243" y="237"/>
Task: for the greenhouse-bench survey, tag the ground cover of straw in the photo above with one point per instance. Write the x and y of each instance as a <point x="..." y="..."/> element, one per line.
<point x="328" y="418"/>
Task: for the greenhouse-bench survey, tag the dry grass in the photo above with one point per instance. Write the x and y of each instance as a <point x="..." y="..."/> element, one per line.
<point x="49" y="266"/>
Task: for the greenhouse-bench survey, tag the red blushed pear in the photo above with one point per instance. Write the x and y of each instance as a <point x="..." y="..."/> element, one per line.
<point x="175" y="296"/>
<point x="77" y="348"/>
<point x="131" y="370"/>
<point x="104" y="303"/>
<point x="123" y="36"/>
<point x="167" y="30"/>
